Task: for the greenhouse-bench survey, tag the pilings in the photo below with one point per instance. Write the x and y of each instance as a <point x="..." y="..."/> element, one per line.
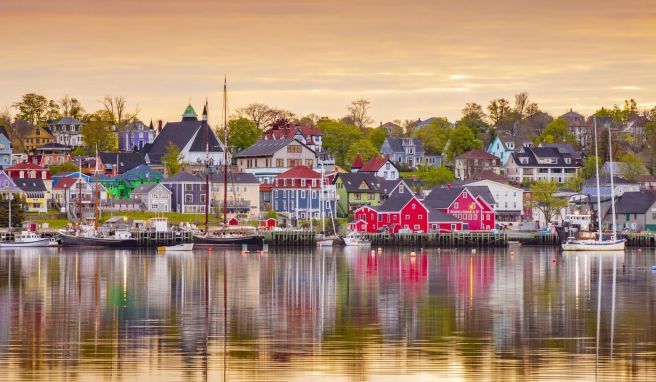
<point x="451" y="239"/>
<point x="642" y="239"/>
<point x="290" y="238"/>
<point x="156" y="239"/>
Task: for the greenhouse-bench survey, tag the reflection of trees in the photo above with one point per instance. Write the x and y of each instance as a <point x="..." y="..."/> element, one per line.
<point x="120" y="312"/>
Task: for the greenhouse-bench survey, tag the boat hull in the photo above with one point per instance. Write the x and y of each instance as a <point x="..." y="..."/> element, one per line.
<point x="36" y="243"/>
<point x="591" y="245"/>
<point x="229" y="241"/>
<point x="179" y="248"/>
<point x="351" y="242"/>
<point x="325" y="243"/>
<point x="99" y="242"/>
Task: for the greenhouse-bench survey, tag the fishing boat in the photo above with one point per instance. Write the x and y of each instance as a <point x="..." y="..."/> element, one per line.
<point x="95" y="238"/>
<point x="182" y="247"/>
<point x="29" y="239"/>
<point x="226" y="237"/>
<point x="354" y="239"/>
<point x="599" y="244"/>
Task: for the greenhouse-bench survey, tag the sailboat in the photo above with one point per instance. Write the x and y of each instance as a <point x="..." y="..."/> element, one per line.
<point x="614" y="244"/>
<point x="226" y="237"/>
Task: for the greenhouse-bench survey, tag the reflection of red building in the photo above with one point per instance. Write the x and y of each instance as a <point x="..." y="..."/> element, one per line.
<point x="471" y="275"/>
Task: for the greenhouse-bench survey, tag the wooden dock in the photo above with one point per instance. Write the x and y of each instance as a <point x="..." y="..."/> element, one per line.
<point x="451" y="239"/>
<point x="642" y="239"/>
<point x="156" y="239"/>
<point x="289" y="238"/>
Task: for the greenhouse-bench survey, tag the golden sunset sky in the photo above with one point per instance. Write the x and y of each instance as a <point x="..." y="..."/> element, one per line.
<point x="410" y="58"/>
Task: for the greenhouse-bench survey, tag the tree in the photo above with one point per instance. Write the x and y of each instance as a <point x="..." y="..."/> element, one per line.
<point x="172" y="160"/>
<point x="308" y="120"/>
<point x="435" y="136"/>
<point x="498" y="109"/>
<point x="632" y="166"/>
<point x="557" y="131"/>
<point x="242" y="133"/>
<point x="462" y="139"/>
<point x="36" y="109"/>
<point x="71" y="107"/>
<point x="433" y="176"/>
<point x="588" y="170"/>
<point x="363" y="147"/>
<point x="524" y="107"/>
<point x="16" y="210"/>
<point x="542" y="194"/>
<point x="650" y="144"/>
<point x="116" y="111"/>
<point x="66" y="166"/>
<point x="359" y="113"/>
<point x="473" y="111"/>
<point x="377" y="136"/>
<point x="98" y="135"/>
<point x="259" y="113"/>
<point x="338" y="137"/>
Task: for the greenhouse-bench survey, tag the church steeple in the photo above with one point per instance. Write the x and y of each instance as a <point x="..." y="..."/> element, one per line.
<point x="189" y="114"/>
<point x="151" y="127"/>
<point x="205" y="112"/>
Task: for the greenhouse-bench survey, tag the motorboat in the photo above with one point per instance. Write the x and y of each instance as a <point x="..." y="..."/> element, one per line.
<point x="186" y="247"/>
<point x="29" y="239"/>
<point x="96" y="238"/>
<point x="354" y="239"/>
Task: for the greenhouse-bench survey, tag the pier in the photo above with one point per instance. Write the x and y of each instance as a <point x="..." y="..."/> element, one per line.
<point x="451" y="239"/>
<point x="156" y="239"/>
<point x="289" y="238"/>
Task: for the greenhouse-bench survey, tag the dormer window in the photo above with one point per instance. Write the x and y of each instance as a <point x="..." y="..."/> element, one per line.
<point x="523" y="160"/>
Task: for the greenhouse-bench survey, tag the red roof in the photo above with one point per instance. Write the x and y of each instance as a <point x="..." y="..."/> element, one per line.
<point x="65" y="182"/>
<point x="490" y="175"/>
<point x="476" y="154"/>
<point x="26" y="166"/>
<point x="299" y="172"/>
<point x="374" y="164"/>
<point x="357" y="162"/>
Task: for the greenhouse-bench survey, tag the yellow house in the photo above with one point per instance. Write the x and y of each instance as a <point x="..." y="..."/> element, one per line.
<point x="38" y="137"/>
<point x="243" y="194"/>
<point x="36" y="194"/>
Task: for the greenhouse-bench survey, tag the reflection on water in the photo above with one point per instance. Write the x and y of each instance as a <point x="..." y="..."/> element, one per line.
<point x="345" y="314"/>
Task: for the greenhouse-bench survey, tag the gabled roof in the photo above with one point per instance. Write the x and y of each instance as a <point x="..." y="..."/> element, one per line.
<point x="605" y="181"/>
<point x="353" y="180"/>
<point x="477" y="154"/>
<point x="387" y="186"/>
<point x="53" y="146"/>
<point x="267" y="147"/>
<point x="532" y="154"/>
<point x="66" y="182"/>
<point x="126" y="160"/>
<point x="435" y="216"/>
<point x="563" y="148"/>
<point x="30" y="185"/>
<point x="374" y="164"/>
<point x="357" y="162"/>
<point x="235" y="177"/>
<point x="142" y="171"/>
<point x="395" y="203"/>
<point x="146" y="188"/>
<point x="26" y="166"/>
<point x="396" y="143"/>
<point x="635" y="202"/>
<point x="390" y="125"/>
<point x="183" y="177"/>
<point x="441" y="197"/>
<point x="299" y="172"/>
<point x="488" y="175"/>
<point x="69" y="121"/>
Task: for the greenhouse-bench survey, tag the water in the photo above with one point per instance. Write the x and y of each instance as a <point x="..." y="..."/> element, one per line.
<point x="312" y="315"/>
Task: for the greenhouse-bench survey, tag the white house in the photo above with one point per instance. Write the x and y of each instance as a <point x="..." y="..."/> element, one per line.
<point x="155" y="197"/>
<point x="509" y="200"/>
<point x="541" y="163"/>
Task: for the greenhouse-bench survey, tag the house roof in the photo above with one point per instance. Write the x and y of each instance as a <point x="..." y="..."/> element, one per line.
<point x="477" y="154"/>
<point x="441" y="197"/>
<point x="235" y="177"/>
<point x="390" y="125"/>
<point x="488" y="175"/>
<point x="299" y="172"/>
<point x="353" y="180"/>
<point x="635" y="202"/>
<point x="291" y="131"/>
<point x="183" y="177"/>
<point x="605" y="181"/>
<point x="435" y="215"/>
<point x="30" y="185"/>
<point x="395" y="203"/>
<point x="532" y="154"/>
<point x="26" y="166"/>
<point x="357" y="162"/>
<point x="374" y="164"/>
<point x="69" y="121"/>
<point x="387" y="186"/>
<point x="146" y="188"/>
<point x="126" y="160"/>
<point x="396" y="143"/>
<point x="3" y="131"/>
<point x="563" y="148"/>
<point x="189" y="112"/>
<point x="266" y="147"/>
<point x="66" y="182"/>
<point x="142" y="171"/>
<point x="517" y="141"/>
<point x="53" y="146"/>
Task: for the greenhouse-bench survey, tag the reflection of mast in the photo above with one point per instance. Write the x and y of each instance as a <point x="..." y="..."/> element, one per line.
<point x="225" y="152"/>
<point x="225" y="316"/>
<point x="598" y="312"/>
<point x="612" y="314"/>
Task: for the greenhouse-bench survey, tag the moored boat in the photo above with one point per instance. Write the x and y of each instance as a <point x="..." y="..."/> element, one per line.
<point x="594" y="245"/>
<point x="120" y="239"/>
<point x="228" y="239"/>
<point x="354" y="239"/>
<point x="28" y="239"/>
<point x="177" y="248"/>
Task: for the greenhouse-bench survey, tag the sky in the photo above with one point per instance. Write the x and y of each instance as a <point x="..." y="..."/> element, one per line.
<point x="412" y="59"/>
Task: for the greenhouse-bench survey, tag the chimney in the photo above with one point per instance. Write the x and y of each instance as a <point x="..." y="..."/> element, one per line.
<point x="159" y="126"/>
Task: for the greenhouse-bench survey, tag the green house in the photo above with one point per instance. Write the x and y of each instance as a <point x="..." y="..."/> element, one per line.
<point x="120" y="187"/>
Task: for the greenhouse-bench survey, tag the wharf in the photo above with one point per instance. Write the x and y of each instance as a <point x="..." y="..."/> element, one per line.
<point x="450" y="239"/>
<point x="156" y="239"/>
<point x="289" y="238"/>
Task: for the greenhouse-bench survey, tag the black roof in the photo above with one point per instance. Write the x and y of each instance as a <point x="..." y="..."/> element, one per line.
<point x="54" y="146"/>
<point x="30" y="185"/>
<point x="183" y="177"/>
<point x="126" y="160"/>
<point x="234" y="177"/>
<point x="439" y="216"/>
<point x="266" y="147"/>
<point x="353" y="180"/>
<point x="180" y="133"/>
<point x="605" y="181"/>
<point x="635" y="202"/>
<point x="533" y="153"/>
<point x="442" y="197"/>
<point x="395" y="202"/>
<point x="396" y="143"/>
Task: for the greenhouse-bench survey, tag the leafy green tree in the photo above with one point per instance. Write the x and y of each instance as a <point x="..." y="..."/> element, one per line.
<point x="588" y="170"/>
<point x="435" y="136"/>
<point x="16" y="210"/>
<point x="557" y="131"/>
<point x="632" y="166"/>
<point x="498" y="109"/>
<point x="363" y="147"/>
<point x="377" y="136"/>
<point x="338" y="138"/>
<point x="462" y="139"/>
<point x="36" y="109"/>
<point x="542" y="195"/>
<point x="71" y="107"/>
<point x="172" y="160"/>
<point x="99" y="135"/>
<point x="433" y="176"/>
<point x="66" y="166"/>
<point x="242" y="132"/>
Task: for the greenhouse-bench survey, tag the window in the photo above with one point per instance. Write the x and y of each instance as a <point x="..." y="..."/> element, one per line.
<point x="407" y="217"/>
<point x="455" y="205"/>
<point x="302" y="182"/>
<point x="188" y="187"/>
<point x="387" y="166"/>
<point x="189" y="198"/>
<point x="293" y="149"/>
<point x="309" y="163"/>
<point x="453" y="227"/>
<point x="303" y="194"/>
<point x="417" y="227"/>
<point x="414" y="206"/>
<point x="371" y="196"/>
<point x="464" y="195"/>
<point x="358" y="196"/>
<point x="421" y="217"/>
<point x="202" y="198"/>
<point x="380" y="217"/>
<point x="280" y="163"/>
<point x="401" y="188"/>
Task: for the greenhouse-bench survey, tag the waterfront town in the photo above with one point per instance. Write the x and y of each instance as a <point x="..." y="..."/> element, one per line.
<point x="506" y="166"/>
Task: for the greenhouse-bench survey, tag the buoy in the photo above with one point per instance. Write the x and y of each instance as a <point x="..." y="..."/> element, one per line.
<point x="512" y="253"/>
<point x="380" y="250"/>
<point x="553" y="260"/>
<point x="473" y="251"/>
<point x="412" y="254"/>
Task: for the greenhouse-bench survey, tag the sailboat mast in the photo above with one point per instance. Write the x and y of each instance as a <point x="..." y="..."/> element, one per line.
<point x="225" y="152"/>
<point x="207" y="171"/>
<point x="323" y="217"/>
<point x="79" y="192"/>
<point x="597" y="174"/>
<point x="612" y="184"/>
<point x="96" y="194"/>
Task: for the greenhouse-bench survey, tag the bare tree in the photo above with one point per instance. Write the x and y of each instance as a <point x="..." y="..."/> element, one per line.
<point x="71" y="107"/>
<point x="262" y="115"/>
<point x="359" y="113"/>
<point x="116" y="109"/>
<point x="472" y="110"/>
<point x="524" y="107"/>
<point x="498" y="109"/>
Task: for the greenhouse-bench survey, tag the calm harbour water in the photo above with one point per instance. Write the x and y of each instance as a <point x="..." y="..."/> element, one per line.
<point x="341" y="314"/>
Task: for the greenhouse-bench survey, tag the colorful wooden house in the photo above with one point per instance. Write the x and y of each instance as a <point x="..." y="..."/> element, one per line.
<point x="187" y="193"/>
<point x="297" y="193"/>
<point x="471" y="205"/>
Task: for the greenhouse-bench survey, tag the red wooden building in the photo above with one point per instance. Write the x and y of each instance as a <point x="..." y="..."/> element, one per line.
<point x="472" y="210"/>
<point x="28" y="170"/>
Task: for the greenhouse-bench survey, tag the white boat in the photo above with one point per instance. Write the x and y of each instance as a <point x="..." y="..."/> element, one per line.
<point x="177" y="248"/>
<point x="354" y="239"/>
<point x="614" y="244"/>
<point x="514" y="243"/>
<point x="29" y="239"/>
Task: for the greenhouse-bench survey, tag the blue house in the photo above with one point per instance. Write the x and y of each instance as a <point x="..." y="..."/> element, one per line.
<point x="135" y="136"/>
<point x="297" y="193"/>
<point x="5" y="148"/>
<point x="503" y="146"/>
<point x="187" y="193"/>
